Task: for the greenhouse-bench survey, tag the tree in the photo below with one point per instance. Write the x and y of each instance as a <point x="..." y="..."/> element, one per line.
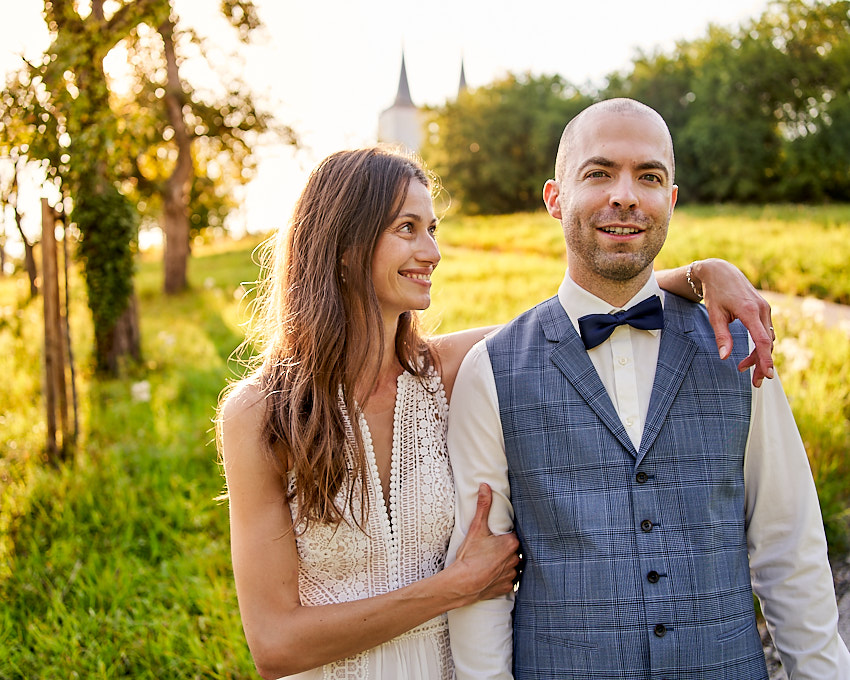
<point x="83" y="133"/>
<point x="9" y="199"/>
<point x="75" y="89"/>
<point x="814" y="118"/>
<point x="757" y="113"/>
<point x="495" y="146"/>
<point x="28" y="137"/>
<point x="185" y="149"/>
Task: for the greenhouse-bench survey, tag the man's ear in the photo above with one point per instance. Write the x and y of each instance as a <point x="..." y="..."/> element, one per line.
<point x="551" y="192"/>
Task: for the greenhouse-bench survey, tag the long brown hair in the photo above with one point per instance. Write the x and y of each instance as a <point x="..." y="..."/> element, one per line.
<point x="321" y="326"/>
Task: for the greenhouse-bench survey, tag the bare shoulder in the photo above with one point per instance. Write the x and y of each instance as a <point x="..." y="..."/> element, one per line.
<point x="240" y="422"/>
<point x="244" y="403"/>
<point x="452" y="348"/>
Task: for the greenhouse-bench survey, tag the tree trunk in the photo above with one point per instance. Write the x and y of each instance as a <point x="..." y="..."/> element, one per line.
<point x="126" y="340"/>
<point x="176" y="229"/>
<point x="116" y="330"/>
<point x="29" y="265"/>
<point x="29" y="256"/>
<point x="176" y="198"/>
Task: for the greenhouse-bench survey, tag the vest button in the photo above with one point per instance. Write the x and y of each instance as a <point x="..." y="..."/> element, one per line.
<point x="660" y="630"/>
<point x="641" y="477"/>
<point x="646" y="525"/>
<point x="652" y="577"/>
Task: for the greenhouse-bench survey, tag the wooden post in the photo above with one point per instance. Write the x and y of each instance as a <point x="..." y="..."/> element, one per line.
<point x="66" y="326"/>
<point x="54" y="360"/>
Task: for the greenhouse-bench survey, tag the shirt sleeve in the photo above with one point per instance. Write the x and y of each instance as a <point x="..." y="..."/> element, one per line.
<point x="788" y="555"/>
<point x="481" y="634"/>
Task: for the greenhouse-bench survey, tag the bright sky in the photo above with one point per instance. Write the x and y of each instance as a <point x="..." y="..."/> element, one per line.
<point x="329" y="67"/>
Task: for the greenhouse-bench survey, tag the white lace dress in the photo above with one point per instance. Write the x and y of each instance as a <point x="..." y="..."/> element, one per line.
<point x="408" y="543"/>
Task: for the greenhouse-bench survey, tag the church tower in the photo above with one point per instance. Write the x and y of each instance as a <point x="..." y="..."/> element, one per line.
<point x="402" y="122"/>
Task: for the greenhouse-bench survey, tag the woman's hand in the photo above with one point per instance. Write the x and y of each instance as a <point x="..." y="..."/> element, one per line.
<point x="729" y="296"/>
<point x="486" y="564"/>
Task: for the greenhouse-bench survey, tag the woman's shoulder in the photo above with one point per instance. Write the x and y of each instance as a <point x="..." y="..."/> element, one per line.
<point x="242" y="418"/>
<point x="452" y="348"/>
<point x="243" y="401"/>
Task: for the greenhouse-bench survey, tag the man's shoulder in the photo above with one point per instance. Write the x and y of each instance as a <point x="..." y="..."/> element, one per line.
<point x="530" y="320"/>
<point x="693" y="314"/>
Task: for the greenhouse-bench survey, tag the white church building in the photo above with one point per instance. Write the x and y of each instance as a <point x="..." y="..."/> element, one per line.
<point x="403" y="122"/>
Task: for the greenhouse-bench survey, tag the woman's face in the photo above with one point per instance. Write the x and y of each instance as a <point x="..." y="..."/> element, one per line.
<point x="406" y="254"/>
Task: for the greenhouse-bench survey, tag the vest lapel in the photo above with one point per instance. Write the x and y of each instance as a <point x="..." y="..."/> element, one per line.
<point x="675" y="355"/>
<point x="570" y="357"/>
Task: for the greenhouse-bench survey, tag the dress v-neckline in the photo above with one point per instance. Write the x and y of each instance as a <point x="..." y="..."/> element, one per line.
<point x="387" y="502"/>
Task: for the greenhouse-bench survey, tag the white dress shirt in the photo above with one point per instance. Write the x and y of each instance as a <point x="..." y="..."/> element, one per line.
<point x="787" y="548"/>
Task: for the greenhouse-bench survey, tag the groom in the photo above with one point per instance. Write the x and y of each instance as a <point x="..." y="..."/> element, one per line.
<point x="652" y="488"/>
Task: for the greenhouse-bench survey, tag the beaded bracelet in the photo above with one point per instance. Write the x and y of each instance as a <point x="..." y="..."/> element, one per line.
<point x="688" y="273"/>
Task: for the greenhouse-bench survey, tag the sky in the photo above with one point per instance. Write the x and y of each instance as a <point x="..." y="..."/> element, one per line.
<point x="328" y="68"/>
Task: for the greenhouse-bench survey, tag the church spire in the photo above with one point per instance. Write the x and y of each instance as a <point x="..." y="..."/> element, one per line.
<point x="462" y="84"/>
<point x="402" y="98"/>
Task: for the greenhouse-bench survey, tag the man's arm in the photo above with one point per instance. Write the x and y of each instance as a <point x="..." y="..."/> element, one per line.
<point x="481" y="634"/>
<point x="788" y="560"/>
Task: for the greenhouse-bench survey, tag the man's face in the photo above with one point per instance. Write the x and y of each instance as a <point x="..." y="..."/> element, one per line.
<point x="615" y="198"/>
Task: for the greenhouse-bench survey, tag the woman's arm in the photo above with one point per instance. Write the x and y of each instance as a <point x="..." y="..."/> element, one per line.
<point x="286" y="637"/>
<point x="728" y="296"/>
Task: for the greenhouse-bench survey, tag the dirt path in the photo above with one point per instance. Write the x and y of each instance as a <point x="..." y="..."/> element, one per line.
<point x="829" y="313"/>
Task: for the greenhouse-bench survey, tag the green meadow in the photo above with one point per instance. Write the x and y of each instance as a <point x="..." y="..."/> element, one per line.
<point x="116" y="563"/>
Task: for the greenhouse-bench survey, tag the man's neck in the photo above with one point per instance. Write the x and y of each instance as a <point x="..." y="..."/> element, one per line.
<point x="615" y="293"/>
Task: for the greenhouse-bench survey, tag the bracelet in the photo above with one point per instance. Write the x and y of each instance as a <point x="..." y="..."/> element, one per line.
<point x="688" y="273"/>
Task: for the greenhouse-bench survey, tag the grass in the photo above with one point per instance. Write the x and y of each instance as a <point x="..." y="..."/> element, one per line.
<point x="116" y="564"/>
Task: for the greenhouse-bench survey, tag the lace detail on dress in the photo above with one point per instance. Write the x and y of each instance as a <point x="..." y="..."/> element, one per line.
<point x="399" y="546"/>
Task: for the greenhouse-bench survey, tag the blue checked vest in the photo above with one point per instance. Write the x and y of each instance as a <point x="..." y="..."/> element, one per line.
<point x="635" y="561"/>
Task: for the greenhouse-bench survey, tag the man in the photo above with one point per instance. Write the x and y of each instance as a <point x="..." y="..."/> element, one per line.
<point x="649" y="483"/>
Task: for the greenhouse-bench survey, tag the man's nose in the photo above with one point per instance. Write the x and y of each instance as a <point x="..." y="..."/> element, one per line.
<point x="623" y="194"/>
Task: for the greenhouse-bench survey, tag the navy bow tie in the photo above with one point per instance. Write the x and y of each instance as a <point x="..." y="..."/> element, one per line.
<point x="597" y="328"/>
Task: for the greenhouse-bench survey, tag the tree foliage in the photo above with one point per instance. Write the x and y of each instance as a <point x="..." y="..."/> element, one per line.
<point x="144" y="145"/>
<point x="107" y="250"/>
<point x="758" y="113"/>
<point x="495" y="146"/>
<point x="187" y="149"/>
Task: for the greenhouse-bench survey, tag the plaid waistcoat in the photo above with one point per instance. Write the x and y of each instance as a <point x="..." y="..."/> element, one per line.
<point x="636" y="561"/>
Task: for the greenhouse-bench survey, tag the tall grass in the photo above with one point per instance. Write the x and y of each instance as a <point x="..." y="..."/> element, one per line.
<point x="116" y="564"/>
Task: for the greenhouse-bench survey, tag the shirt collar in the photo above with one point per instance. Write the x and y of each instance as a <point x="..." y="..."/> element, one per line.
<point x="578" y="302"/>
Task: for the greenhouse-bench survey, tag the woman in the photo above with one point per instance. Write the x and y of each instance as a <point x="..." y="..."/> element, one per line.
<point x="341" y="499"/>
